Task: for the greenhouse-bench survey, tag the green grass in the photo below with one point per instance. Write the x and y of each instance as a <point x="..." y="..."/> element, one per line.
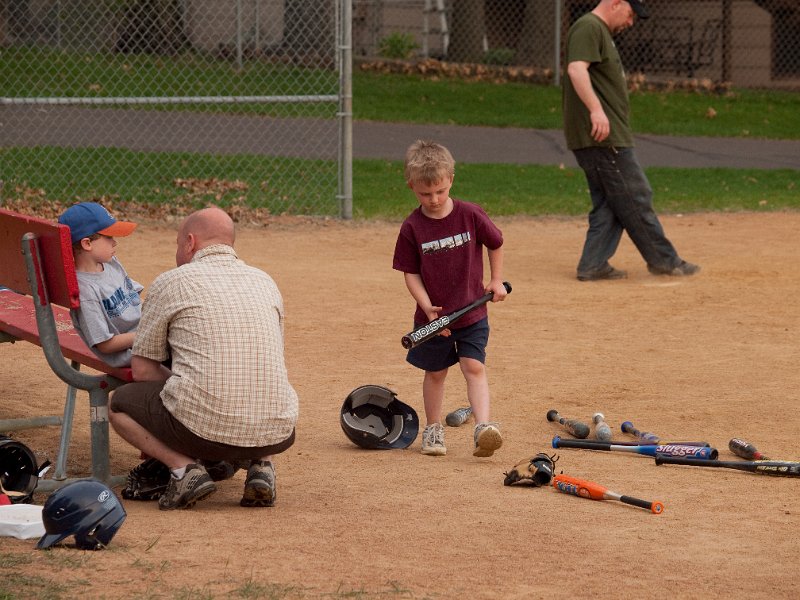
<point x="15" y="586"/>
<point x="743" y="113"/>
<point x="378" y="187"/>
<point x="180" y="178"/>
<point x="506" y="190"/>
<point x="407" y="98"/>
<point x="54" y="174"/>
<point x="29" y="72"/>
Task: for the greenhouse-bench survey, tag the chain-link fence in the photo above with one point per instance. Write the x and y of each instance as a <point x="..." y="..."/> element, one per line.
<point x="749" y="43"/>
<point x="178" y="102"/>
<point x="183" y="102"/>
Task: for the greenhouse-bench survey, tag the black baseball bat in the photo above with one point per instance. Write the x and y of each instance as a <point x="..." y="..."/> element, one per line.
<point x="776" y="468"/>
<point x="698" y="452"/>
<point x="746" y="450"/>
<point x="424" y="333"/>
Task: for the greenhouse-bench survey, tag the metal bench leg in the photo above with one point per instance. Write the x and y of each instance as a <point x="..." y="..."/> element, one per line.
<point x="101" y="459"/>
<point x="66" y="430"/>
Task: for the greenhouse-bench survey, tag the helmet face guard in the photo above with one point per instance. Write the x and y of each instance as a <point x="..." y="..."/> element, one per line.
<point x="372" y="417"/>
<point x="18" y="471"/>
<point x="87" y="509"/>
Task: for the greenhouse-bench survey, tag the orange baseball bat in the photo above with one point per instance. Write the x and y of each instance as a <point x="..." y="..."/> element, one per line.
<point x="595" y="491"/>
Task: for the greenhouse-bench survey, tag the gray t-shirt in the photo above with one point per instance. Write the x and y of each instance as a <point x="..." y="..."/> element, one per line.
<point x="110" y="305"/>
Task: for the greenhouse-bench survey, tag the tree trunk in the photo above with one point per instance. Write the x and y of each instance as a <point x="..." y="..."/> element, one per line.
<point x="153" y="27"/>
<point x="19" y="25"/>
<point x="536" y="39"/>
<point x="466" y="31"/>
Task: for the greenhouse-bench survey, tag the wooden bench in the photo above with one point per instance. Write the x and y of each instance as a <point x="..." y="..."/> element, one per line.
<point x="671" y="44"/>
<point x="38" y="269"/>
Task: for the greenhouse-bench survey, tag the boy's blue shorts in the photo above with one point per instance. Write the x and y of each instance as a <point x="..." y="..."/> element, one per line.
<point x="443" y="352"/>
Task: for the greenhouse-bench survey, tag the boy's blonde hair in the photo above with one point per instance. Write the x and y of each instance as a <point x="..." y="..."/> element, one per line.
<point x="428" y="162"/>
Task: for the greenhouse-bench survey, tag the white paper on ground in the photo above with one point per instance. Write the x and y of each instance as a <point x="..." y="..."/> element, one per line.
<point x="22" y="521"/>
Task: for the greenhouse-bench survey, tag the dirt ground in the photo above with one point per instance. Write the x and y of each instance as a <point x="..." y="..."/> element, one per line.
<point x="706" y="358"/>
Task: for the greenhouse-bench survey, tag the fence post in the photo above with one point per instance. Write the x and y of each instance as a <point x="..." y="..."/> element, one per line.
<point x="346" y="110"/>
<point x="257" y="31"/>
<point x="557" y="44"/>
<point x="426" y="28"/>
<point x="726" y="40"/>
<point x="239" y="34"/>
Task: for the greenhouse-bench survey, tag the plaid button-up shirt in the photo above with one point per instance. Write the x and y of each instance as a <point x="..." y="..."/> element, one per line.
<point x="221" y="323"/>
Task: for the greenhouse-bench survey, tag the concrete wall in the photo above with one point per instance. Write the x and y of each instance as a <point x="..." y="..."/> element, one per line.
<point x="751" y="58"/>
<point x="212" y="24"/>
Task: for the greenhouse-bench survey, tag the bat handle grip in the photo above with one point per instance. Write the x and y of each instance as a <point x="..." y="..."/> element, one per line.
<point x="506" y="285"/>
<point x="654" y="507"/>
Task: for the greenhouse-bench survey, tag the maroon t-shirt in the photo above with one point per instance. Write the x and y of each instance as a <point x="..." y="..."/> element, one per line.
<point x="448" y="255"/>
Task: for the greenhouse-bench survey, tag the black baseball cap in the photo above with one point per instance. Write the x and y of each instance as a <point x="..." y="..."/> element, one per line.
<point x="639" y="8"/>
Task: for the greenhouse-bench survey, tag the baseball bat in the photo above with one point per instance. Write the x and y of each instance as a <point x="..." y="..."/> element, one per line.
<point x="426" y="332"/>
<point x="595" y="491"/>
<point x="644" y="436"/>
<point x="775" y="468"/>
<point x="700" y="452"/>
<point x="745" y="450"/>
<point x="640" y="443"/>
<point x="601" y="429"/>
<point x="575" y="427"/>
<point x="458" y="417"/>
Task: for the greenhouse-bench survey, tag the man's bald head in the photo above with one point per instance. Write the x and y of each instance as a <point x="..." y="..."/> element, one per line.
<point x="203" y="228"/>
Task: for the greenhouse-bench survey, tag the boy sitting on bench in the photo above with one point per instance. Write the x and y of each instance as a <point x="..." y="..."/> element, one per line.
<point x="111" y="305"/>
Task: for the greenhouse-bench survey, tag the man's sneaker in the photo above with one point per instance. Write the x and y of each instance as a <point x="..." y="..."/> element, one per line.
<point x="259" y="487"/>
<point x="608" y="273"/>
<point x="219" y="470"/>
<point x="146" y="481"/>
<point x="433" y="440"/>
<point x="487" y="439"/>
<point x="684" y="269"/>
<point x="195" y="485"/>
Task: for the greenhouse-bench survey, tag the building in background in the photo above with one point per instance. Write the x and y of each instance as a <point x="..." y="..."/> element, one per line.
<point x="750" y="43"/>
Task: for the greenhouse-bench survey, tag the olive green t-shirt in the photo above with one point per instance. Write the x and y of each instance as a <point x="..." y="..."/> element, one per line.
<point x="589" y="39"/>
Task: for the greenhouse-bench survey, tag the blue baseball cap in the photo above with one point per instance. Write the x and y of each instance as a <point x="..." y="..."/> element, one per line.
<point x="87" y="218"/>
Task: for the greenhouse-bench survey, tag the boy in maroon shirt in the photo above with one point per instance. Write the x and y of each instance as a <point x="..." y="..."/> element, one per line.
<point x="440" y="252"/>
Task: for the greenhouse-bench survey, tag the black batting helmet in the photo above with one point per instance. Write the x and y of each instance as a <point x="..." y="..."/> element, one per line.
<point x="18" y="470"/>
<point x="372" y="417"/>
<point x="87" y="509"/>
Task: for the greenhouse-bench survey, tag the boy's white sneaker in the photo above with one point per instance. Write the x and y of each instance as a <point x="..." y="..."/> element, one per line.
<point x="433" y="440"/>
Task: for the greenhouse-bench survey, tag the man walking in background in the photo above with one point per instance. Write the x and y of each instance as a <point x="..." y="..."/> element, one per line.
<point x="597" y="130"/>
